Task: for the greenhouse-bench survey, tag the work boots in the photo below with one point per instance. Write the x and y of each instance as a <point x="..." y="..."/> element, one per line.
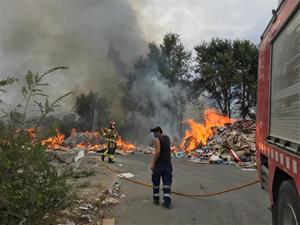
<point x="102" y="157"/>
<point x="111" y="161"/>
<point x="156" y="201"/>
<point x="167" y="206"/>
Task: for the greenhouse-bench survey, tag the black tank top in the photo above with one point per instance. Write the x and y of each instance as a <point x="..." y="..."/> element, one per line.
<point x="165" y="151"/>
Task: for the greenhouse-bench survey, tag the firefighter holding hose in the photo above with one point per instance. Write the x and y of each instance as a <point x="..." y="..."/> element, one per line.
<point x="110" y="135"/>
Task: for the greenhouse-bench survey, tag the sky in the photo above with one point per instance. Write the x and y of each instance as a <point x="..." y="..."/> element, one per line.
<point x="198" y="20"/>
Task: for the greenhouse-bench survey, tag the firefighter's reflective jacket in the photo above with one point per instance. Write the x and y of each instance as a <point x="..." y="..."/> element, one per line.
<point x="110" y="137"/>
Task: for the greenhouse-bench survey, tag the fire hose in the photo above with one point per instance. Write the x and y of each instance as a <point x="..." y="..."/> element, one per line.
<point x="202" y="195"/>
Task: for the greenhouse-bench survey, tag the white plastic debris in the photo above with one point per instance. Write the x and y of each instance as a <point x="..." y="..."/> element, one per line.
<point x="80" y="155"/>
<point x="249" y="169"/>
<point x="215" y="157"/>
<point x="126" y="175"/>
<point x="84" y="208"/>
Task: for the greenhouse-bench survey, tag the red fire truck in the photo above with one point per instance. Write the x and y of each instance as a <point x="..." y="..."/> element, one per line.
<point x="278" y="113"/>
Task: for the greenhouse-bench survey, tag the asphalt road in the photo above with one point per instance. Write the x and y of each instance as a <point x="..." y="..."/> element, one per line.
<point x="246" y="206"/>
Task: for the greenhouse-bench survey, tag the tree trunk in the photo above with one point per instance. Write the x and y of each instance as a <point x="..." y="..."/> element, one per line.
<point x="92" y="115"/>
<point x="244" y="110"/>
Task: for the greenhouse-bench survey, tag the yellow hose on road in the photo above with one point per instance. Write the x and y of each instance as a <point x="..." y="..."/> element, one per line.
<point x="187" y="194"/>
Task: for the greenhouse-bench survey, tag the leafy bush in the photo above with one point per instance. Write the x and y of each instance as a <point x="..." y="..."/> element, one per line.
<point x="29" y="186"/>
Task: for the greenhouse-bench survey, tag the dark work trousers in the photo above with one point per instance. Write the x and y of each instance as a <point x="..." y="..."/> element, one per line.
<point x="162" y="170"/>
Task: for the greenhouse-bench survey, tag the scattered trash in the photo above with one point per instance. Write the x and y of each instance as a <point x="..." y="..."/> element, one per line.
<point x="215" y="157"/>
<point x="84" y="208"/>
<point x="86" y="218"/>
<point x="249" y="169"/>
<point x="80" y="155"/>
<point x="110" y="201"/>
<point x="145" y="149"/>
<point x="126" y="175"/>
<point x="179" y="154"/>
<point x="148" y="152"/>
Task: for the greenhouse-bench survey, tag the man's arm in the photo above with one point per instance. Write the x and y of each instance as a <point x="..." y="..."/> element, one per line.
<point x="157" y="152"/>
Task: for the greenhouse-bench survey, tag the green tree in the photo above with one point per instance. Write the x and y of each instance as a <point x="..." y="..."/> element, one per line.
<point x="68" y="122"/>
<point x="175" y="59"/>
<point x="215" y="73"/>
<point x="245" y="55"/>
<point x="93" y="111"/>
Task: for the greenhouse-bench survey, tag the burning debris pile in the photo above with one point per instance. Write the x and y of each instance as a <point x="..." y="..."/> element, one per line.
<point x="219" y="140"/>
<point x="91" y="141"/>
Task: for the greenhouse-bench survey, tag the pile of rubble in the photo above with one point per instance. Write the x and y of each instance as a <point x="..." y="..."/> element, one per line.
<point x="232" y="144"/>
<point x="83" y="138"/>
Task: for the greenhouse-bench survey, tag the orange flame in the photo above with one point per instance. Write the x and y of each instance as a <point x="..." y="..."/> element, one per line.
<point x="199" y="134"/>
<point x="91" y="142"/>
<point x="31" y="132"/>
<point x="56" y="141"/>
<point x="125" y="146"/>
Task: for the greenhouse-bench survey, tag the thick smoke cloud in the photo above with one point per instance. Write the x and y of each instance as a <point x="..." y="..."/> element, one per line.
<point x="161" y="100"/>
<point x="156" y="104"/>
<point x="95" y="38"/>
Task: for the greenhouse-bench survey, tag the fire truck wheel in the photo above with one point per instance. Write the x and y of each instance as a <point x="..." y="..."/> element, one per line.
<point x="288" y="207"/>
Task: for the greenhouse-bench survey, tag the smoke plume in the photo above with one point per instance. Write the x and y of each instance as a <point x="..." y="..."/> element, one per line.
<point x="94" y="38"/>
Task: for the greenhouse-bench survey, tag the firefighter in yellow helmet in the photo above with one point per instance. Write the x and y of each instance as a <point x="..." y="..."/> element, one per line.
<point x="110" y="136"/>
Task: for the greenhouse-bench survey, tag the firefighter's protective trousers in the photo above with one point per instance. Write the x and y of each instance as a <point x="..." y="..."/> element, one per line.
<point x="110" y="139"/>
<point x="109" y="153"/>
<point x="162" y="170"/>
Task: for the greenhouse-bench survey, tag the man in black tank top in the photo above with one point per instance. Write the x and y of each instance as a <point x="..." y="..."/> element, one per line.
<point x="161" y="167"/>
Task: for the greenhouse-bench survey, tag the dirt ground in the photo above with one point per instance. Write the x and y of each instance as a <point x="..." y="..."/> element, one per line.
<point x="96" y="189"/>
